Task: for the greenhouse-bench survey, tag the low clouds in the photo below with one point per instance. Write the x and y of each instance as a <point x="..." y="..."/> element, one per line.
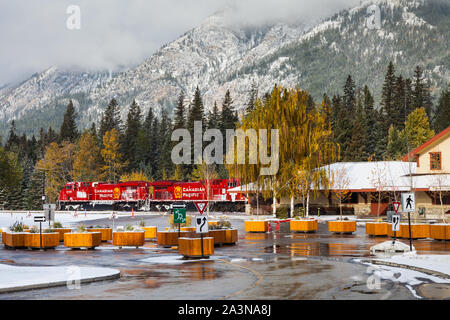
<point x="115" y="33"/>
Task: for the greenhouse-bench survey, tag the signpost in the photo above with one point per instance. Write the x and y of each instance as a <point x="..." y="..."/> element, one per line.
<point x="179" y="215"/>
<point x="409" y="205"/>
<point x="201" y="206"/>
<point x="201" y="226"/>
<point x="113" y="216"/>
<point x="40" y="219"/>
<point x="395" y="219"/>
<point x="49" y="212"/>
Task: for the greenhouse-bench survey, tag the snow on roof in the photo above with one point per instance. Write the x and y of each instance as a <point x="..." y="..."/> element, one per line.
<point x="375" y="176"/>
<point x="372" y="175"/>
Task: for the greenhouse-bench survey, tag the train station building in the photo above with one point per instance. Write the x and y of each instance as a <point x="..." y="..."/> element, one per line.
<point x="371" y="187"/>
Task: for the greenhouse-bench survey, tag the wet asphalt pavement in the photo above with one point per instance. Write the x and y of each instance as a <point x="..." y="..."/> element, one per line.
<point x="273" y="266"/>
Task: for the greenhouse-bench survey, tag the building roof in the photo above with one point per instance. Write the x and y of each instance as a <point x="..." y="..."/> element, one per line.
<point x="371" y="176"/>
<point x="376" y="176"/>
<point x="443" y="134"/>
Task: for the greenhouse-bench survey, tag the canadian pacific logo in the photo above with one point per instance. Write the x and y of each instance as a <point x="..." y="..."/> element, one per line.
<point x="178" y="192"/>
<point x="116" y="193"/>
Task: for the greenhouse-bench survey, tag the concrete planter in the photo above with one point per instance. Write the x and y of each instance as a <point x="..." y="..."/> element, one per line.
<point x="190" y="229"/>
<point x="303" y="225"/>
<point x="192" y="247"/>
<point x="79" y="240"/>
<point x="150" y="232"/>
<point x="342" y="226"/>
<point x="418" y="231"/>
<point x="128" y="238"/>
<point x="106" y="233"/>
<point x="170" y="238"/>
<point x="231" y="236"/>
<point x="256" y="225"/>
<point x="61" y="232"/>
<point x="440" y="231"/>
<point x="219" y="236"/>
<point x="49" y="240"/>
<point x="377" y="228"/>
<point x="14" y="239"/>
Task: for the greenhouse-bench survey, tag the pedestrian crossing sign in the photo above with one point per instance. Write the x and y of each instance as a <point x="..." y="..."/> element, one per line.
<point x="408" y="202"/>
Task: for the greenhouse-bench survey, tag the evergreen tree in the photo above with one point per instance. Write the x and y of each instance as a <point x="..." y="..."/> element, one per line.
<point x="12" y="144"/>
<point x="111" y="119"/>
<point x="214" y="117"/>
<point x="419" y="88"/>
<point x="356" y="150"/>
<point x="33" y="194"/>
<point x="51" y="136"/>
<point x="253" y="95"/>
<point x="164" y="162"/>
<point x="155" y="146"/>
<point x="381" y="134"/>
<point x="398" y="112"/>
<point x="370" y="121"/>
<point x="349" y="98"/>
<point x="196" y="113"/>
<point x="228" y="115"/>
<point x="132" y="127"/>
<point x="68" y="131"/>
<point x="180" y="113"/>
<point x="442" y="115"/>
<point x="387" y="96"/>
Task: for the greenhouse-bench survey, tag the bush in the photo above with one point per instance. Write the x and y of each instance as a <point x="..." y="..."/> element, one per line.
<point x="16" y="227"/>
<point x="34" y="229"/>
<point x="142" y="223"/>
<point x="282" y="213"/>
<point x="57" y="224"/>
<point x="81" y="228"/>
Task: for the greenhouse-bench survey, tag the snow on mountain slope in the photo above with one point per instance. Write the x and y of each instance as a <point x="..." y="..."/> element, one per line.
<point x="217" y="56"/>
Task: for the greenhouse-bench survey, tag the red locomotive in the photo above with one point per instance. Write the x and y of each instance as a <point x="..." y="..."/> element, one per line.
<point x="150" y="195"/>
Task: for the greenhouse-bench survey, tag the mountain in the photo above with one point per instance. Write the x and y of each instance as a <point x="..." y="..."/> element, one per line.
<point x="217" y="56"/>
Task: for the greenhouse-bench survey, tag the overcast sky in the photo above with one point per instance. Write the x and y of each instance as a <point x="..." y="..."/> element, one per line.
<point x="34" y="34"/>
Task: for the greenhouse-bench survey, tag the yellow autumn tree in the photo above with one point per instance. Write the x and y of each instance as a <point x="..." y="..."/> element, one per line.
<point x="112" y="158"/>
<point x="134" y="176"/>
<point x="305" y="145"/>
<point x="58" y="167"/>
<point x="87" y="160"/>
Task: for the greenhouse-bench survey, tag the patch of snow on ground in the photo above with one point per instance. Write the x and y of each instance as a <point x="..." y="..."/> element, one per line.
<point x="19" y="277"/>
<point x="69" y="218"/>
<point x="439" y="263"/>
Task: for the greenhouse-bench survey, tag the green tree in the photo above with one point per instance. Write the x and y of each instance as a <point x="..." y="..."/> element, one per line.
<point x="132" y="127"/>
<point x="442" y="115"/>
<point x="110" y="120"/>
<point x="69" y="131"/>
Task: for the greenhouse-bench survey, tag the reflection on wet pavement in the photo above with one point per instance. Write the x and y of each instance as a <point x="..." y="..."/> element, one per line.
<point x="277" y="265"/>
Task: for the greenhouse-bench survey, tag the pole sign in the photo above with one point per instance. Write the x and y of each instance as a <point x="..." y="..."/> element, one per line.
<point x="179" y="215"/>
<point x="396" y="206"/>
<point x="201" y="224"/>
<point x="39" y="219"/>
<point x="408" y="202"/>
<point x="396" y="222"/>
<point x="201" y="206"/>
